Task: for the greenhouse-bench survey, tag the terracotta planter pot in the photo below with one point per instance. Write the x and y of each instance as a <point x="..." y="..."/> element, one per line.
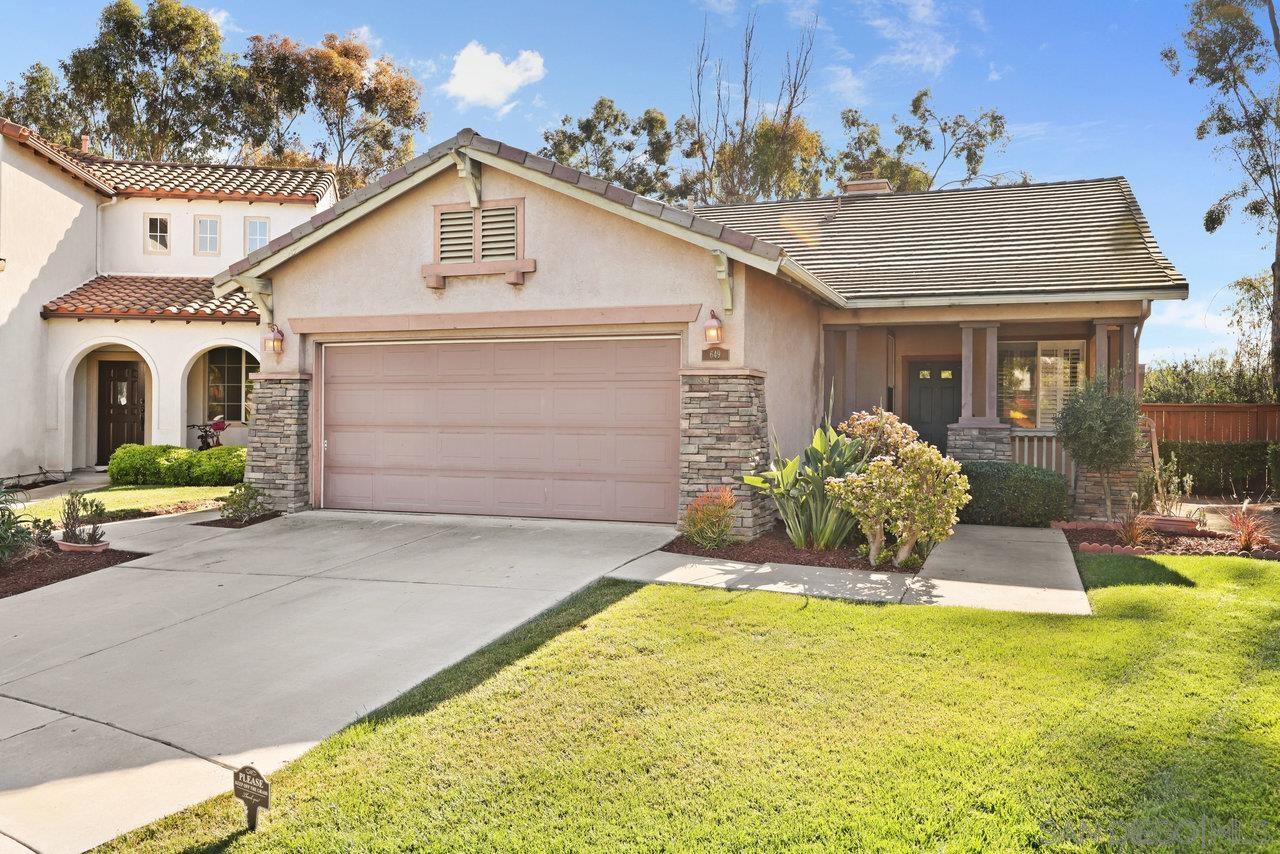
<point x="92" y="548"/>
<point x="1173" y="524"/>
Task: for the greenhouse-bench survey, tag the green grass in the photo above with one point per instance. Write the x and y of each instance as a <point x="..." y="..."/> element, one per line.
<point x="146" y="498"/>
<point x="665" y="717"/>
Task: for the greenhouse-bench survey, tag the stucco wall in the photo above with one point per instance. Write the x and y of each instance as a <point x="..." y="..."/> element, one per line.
<point x="784" y="339"/>
<point x="47" y="238"/>
<point x="587" y="258"/>
<point x="124" y="233"/>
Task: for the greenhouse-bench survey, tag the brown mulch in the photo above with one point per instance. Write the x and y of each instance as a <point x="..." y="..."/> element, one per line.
<point x="232" y="523"/>
<point x="1200" y="543"/>
<point x="773" y="547"/>
<point x="53" y="566"/>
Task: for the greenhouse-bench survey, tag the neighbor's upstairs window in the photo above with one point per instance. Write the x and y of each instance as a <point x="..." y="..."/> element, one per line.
<point x="229" y="387"/>
<point x="208" y="235"/>
<point x="467" y="235"/>
<point x="257" y="233"/>
<point x="157" y="242"/>
<point x="1035" y="379"/>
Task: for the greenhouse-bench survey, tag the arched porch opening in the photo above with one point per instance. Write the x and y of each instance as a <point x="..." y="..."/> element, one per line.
<point x="111" y="386"/>
<point x="215" y="381"/>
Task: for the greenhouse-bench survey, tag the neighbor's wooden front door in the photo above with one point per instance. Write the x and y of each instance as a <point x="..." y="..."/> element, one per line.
<point x="933" y="400"/>
<point x="120" y="407"/>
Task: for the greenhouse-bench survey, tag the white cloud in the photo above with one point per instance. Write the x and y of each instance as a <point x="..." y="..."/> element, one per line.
<point x="506" y="108"/>
<point x="846" y="85"/>
<point x="366" y="36"/>
<point x="720" y="7"/>
<point x="424" y="69"/>
<point x="916" y="35"/>
<point x="1188" y="314"/>
<point x="481" y="78"/>
<point x="979" y="19"/>
<point x="996" y="73"/>
<point x="223" y="19"/>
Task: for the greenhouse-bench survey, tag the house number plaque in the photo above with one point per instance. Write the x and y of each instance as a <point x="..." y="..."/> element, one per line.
<point x="715" y="354"/>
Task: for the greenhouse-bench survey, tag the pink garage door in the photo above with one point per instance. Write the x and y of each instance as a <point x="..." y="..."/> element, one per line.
<point x="580" y="429"/>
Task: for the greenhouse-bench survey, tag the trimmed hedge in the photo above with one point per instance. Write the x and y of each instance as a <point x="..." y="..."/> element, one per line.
<point x="169" y="465"/>
<point x="1013" y="494"/>
<point x="1223" y="468"/>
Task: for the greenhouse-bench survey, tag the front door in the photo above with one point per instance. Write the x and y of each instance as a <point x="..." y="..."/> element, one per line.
<point x="933" y="400"/>
<point x="120" y="407"/>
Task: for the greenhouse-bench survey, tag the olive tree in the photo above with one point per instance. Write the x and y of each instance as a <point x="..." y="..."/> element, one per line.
<point x="1098" y="426"/>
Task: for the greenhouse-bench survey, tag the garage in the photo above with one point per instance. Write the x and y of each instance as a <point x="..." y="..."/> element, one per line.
<point x="581" y="428"/>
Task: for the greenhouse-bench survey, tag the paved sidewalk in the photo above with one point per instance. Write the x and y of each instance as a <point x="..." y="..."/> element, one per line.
<point x="1001" y="569"/>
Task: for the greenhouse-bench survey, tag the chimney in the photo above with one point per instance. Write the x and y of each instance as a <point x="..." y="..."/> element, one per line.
<point x="84" y="143"/>
<point x="866" y="184"/>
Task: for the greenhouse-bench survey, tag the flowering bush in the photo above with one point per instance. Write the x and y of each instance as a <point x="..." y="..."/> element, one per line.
<point x="708" y="520"/>
<point x="915" y="497"/>
<point x="882" y="433"/>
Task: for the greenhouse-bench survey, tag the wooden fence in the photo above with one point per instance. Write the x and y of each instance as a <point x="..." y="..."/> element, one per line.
<point x="1214" y="422"/>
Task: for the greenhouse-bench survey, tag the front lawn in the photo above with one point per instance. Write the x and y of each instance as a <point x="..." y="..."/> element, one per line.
<point x="640" y="718"/>
<point x="147" y="499"/>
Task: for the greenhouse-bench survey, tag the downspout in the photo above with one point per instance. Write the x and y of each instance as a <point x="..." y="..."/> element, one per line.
<point x="97" y="252"/>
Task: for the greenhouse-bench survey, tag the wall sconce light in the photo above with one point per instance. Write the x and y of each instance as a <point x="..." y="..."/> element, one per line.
<point x="272" y="340"/>
<point x="713" y="330"/>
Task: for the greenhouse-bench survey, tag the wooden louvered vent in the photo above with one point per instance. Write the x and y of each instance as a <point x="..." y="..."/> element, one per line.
<point x="457" y="237"/>
<point x="497" y="234"/>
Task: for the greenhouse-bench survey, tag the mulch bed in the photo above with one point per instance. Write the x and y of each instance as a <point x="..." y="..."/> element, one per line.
<point x="1104" y="539"/>
<point x="53" y="566"/>
<point x="773" y="547"/>
<point x="232" y="523"/>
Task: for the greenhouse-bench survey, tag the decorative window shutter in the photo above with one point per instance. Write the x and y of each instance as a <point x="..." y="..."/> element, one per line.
<point x="498" y="234"/>
<point x="457" y="237"/>
<point x="1061" y="372"/>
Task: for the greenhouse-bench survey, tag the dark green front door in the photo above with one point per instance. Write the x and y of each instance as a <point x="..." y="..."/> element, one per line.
<point x="933" y="400"/>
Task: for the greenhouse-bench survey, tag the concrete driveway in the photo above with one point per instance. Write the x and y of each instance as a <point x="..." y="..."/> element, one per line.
<point x="129" y="693"/>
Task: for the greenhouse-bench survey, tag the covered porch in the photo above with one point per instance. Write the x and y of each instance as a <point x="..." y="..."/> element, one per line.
<point x="979" y="389"/>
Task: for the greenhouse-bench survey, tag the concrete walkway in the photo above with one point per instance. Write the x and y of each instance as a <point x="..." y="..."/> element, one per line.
<point x="131" y="692"/>
<point x="1001" y="569"/>
<point x="81" y="479"/>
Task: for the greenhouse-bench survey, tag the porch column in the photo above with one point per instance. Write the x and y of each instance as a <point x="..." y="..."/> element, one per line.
<point x="850" y="396"/>
<point x="1101" y="341"/>
<point x="967" y="366"/>
<point x="1129" y="356"/>
<point x="831" y="360"/>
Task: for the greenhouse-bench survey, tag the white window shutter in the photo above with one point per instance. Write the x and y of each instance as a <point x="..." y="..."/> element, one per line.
<point x="498" y="234"/>
<point x="1061" y="372"/>
<point x="457" y="237"/>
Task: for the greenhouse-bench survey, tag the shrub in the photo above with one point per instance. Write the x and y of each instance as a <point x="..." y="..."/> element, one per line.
<point x="81" y="517"/>
<point x="170" y="465"/>
<point x="1132" y="527"/>
<point x="708" y="520"/>
<point x="881" y="432"/>
<point x="244" y="503"/>
<point x="1098" y="426"/>
<point x="1223" y="468"/>
<point x="798" y="489"/>
<point x="1013" y="494"/>
<point x="1248" y="529"/>
<point x="1163" y="490"/>
<point x="20" y="534"/>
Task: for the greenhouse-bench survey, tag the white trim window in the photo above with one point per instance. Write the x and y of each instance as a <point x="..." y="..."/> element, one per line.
<point x="257" y="233"/>
<point x="208" y="235"/>
<point x="1035" y="378"/>
<point x="156" y="240"/>
<point x="227" y="385"/>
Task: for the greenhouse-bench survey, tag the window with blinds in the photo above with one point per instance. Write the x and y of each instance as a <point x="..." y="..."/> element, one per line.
<point x="493" y="235"/>
<point x="1035" y="378"/>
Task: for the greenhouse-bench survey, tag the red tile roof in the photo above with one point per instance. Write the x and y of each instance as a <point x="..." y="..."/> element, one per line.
<point x="151" y="297"/>
<point x="207" y="180"/>
<point x="28" y="138"/>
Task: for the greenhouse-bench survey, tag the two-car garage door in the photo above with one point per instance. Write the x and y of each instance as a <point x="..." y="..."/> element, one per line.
<point x="577" y="429"/>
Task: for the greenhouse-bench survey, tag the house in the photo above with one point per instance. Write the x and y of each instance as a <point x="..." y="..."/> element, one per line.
<point x="486" y="331"/>
<point x="109" y="328"/>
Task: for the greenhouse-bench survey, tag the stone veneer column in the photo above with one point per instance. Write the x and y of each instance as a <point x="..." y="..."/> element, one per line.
<point x="965" y="442"/>
<point x="279" y="439"/>
<point x="724" y="434"/>
<point x="1089" y="500"/>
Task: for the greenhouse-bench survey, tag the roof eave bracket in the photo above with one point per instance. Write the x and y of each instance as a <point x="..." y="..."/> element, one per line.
<point x="726" y="283"/>
<point x="258" y="290"/>
<point x="469" y="174"/>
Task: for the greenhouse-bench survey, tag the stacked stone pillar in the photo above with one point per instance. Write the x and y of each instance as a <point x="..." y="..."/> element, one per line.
<point x="279" y="454"/>
<point x="724" y="433"/>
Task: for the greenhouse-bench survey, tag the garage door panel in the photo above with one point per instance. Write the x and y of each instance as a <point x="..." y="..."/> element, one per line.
<point x="575" y="429"/>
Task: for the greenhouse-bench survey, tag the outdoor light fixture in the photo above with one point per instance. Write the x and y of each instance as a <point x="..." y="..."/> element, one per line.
<point x="273" y="340"/>
<point x="713" y="331"/>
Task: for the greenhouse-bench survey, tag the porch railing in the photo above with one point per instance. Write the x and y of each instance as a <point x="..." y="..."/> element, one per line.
<point x="1041" y="448"/>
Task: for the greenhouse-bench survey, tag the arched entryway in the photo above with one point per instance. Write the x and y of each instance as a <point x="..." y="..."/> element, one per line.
<point x="111" y="386"/>
<point x="216" y="382"/>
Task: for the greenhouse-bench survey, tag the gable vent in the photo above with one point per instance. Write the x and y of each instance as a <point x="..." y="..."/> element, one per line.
<point x="498" y="234"/>
<point x="457" y="236"/>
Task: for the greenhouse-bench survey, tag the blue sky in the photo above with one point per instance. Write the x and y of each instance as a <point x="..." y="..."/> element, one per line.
<point x="1081" y="84"/>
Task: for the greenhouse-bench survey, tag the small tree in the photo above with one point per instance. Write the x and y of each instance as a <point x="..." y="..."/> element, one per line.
<point x="1098" y="426"/>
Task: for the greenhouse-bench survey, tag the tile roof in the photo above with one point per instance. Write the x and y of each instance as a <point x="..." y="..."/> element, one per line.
<point x="1082" y="237"/>
<point x="151" y="298"/>
<point x="469" y="139"/>
<point x="28" y="138"/>
<point x="206" y="180"/>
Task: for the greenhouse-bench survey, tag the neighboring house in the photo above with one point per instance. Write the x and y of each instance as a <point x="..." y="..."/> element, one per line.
<point x="485" y="331"/>
<point x="109" y="328"/>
